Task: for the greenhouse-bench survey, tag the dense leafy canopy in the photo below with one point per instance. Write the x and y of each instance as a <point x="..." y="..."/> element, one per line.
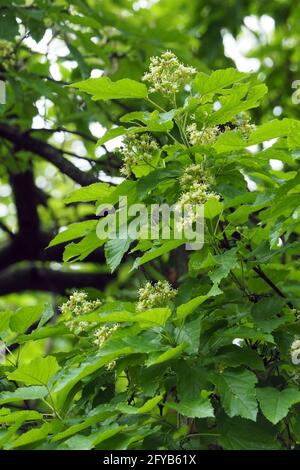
<point x="164" y="348"/>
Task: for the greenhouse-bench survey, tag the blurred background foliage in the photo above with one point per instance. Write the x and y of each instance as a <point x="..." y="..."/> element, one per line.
<point x="48" y="131"/>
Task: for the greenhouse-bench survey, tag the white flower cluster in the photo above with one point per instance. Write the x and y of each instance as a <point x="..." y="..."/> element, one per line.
<point x="198" y="194"/>
<point x="244" y="125"/>
<point x="167" y="75"/>
<point x="103" y="333"/>
<point x="111" y="365"/>
<point x="155" y="295"/>
<point x="76" y="306"/>
<point x="79" y="305"/>
<point x="79" y="327"/>
<point x="6" y="53"/>
<point x="195" y="184"/>
<point x="136" y="148"/>
<point x="295" y="352"/>
<point x="195" y="173"/>
<point x="207" y="135"/>
<point x="101" y="336"/>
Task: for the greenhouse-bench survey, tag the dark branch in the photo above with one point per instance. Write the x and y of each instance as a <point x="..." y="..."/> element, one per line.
<point x="48" y="280"/>
<point x="26" y="199"/>
<point x="20" y="249"/>
<point x="9" y="255"/>
<point x="5" y="229"/>
<point x="23" y="141"/>
<point x="271" y="284"/>
<point x="63" y="129"/>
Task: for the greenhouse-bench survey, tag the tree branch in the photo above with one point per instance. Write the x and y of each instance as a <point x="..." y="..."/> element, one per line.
<point x="23" y="141"/>
<point x="49" y="280"/>
<point x="271" y="284"/>
<point x="26" y="199"/>
<point x="5" y="229"/>
<point x="19" y="250"/>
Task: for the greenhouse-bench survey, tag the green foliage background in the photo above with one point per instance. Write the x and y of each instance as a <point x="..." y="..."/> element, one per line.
<point x="213" y="369"/>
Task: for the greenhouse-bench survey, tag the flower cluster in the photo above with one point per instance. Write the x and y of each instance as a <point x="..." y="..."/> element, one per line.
<point x="167" y="75"/>
<point x="195" y="184"/>
<point x="103" y="333"/>
<point x="207" y="135"/>
<point x="195" y="173"/>
<point x="76" y="306"/>
<point x="244" y="125"/>
<point x="295" y="352"/>
<point x="79" y="327"/>
<point x="198" y="194"/>
<point x="136" y="148"/>
<point x="155" y="295"/>
<point x="79" y="305"/>
<point x="6" y="53"/>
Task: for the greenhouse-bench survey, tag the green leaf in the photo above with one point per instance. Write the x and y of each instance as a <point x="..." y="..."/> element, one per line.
<point x="229" y="141"/>
<point x="293" y="139"/>
<point x="227" y="261"/>
<point x="218" y="80"/>
<point x="115" y="249"/>
<point x="234" y="356"/>
<point x="147" y="319"/>
<point x="82" y="65"/>
<point x="42" y="333"/>
<point x="266" y="314"/>
<point x="212" y="208"/>
<point x="237" y="391"/>
<point x="190" y="332"/>
<point x="37" y="372"/>
<point x="97" y="417"/>
<point x="270" y="130"/>
<point x="112" y="134"/>
<point x="186" y="309"/>
<point x="150" y="404"/>
<point x="93" y="192"/>
<point x="168" y="355"/>
<point x="195" y="408"/>
<point x="275" y="404"/>
<point x="79" y="251"/>
<point x="242" y="434"/>
<point x="25" y="415"/>
<point x="104" y="89"/>
<point x="73" y="231"/>
<point x="155" y="252"/>
<point x="4" y="320"/>
<point x="154" y="122"/>
<point x="154" y="316"/>
<point x="36" y="435"/>
<point x="48" y="313"/>
<point x="233" y="103"/>
<point x="80" y="442"/>
<point x="70" y="376"/>
<point x="199" y="262"/>
<point x="23" y="393"/>
<point x="8" y="25"/>
<point x="24" y="317"/>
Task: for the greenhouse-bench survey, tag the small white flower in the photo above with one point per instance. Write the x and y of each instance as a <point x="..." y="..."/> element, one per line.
<point x="295" y="352"/>
<point x="136" y="148"/>
<point x="167" y="75"/>
<point x="103" y="333"/>
<point x="111" y="365"/>
<point x="155" y="295"/>
<point x="76" y="306"/>
<point x="244" y="125"/>
<point x="7" y="55"/>
<point x="207" y="135"/>
<point x="195" y="174"/>
<point x="198" y="194"/>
